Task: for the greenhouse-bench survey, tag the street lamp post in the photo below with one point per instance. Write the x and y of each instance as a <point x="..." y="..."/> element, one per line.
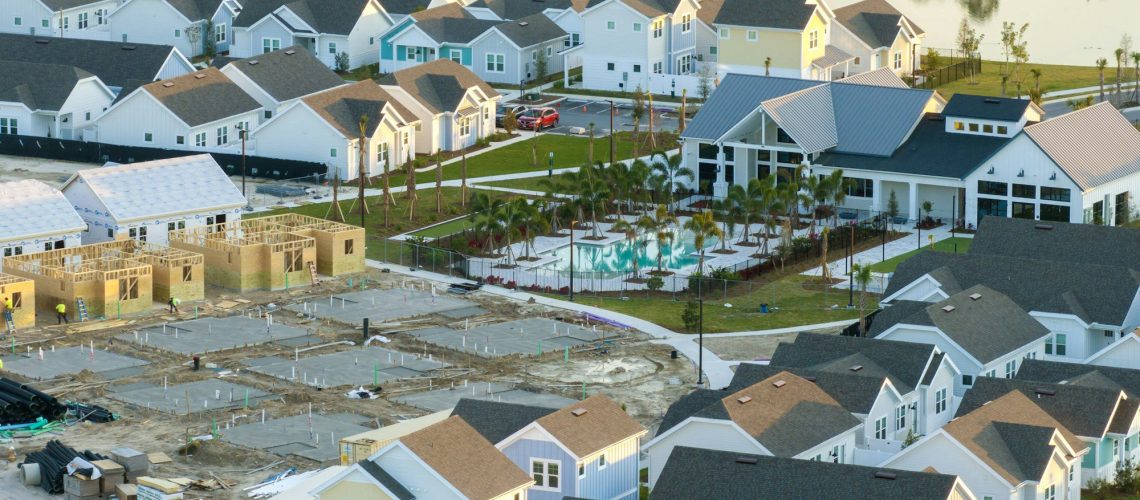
<point x="572" y="224"/>
<point x="550" y="165"/>
<point x="851" y="270"/>
<point x="612" y="132"/>
<point x="242" y="133"/>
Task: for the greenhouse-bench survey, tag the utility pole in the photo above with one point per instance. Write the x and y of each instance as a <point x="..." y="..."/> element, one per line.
<point x="851" y="269"/>
<point x="242" y="132"/>
<point x="700" y="332"/>
<point x="363" y="174"/>
<point x="572" y="224"/>
<point x="612" y="132"/>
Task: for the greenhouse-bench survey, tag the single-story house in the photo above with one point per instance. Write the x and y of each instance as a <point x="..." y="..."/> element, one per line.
<point x="454" y="106"/>
<point x="49" y="100"/>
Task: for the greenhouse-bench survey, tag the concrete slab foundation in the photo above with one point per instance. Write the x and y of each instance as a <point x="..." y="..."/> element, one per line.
<point x="212" y="334"/>
<point x="444" y="399"/>
<point x="295" y="435"/>
<point x="525" y="336"/>
<point x="204" y="395"/>
<point x="68" y="361"/>
<point x="379" y="306"/>
<point x="367" y="366"/>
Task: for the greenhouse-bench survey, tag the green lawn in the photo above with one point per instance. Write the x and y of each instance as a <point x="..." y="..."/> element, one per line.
<point x="796" y="306"/>
<point x="1053" y="77"/>
<point x="444" y="229"/>
<point x="946" y="245"/>
<point x="529" y="183"/>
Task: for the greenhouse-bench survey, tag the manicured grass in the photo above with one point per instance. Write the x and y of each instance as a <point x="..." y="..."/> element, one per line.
<point x="796" y="305"/>
<point x="444" y="229"/>
<point x="529" y="183"/>
<point x="946" y="245"/>
<point x="1053" y="77"/>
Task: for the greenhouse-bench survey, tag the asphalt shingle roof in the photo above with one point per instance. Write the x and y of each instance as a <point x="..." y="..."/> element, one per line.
<point x="38" y="86"/>
<point x="855" y="391"/>
<point x="687" y="406"/>
<point x="517" y="9"/>
<point x="1095" y="376"/>
<point x="455" y="29"/>
<point x="32" y="208"/>
<point x="386" y="479"/>
<point x="904" y="362"/>
<point x="718" y="474"/>
<point x="537" y="29"/>
<point x="497" y="421"/>
<point x="1086" y="411"/>
<point x="58" y="5"/>
<point x="288" y="73"/>
<point x="465" y="459"/>
<point x="123" y="65"/>
<point x="1004" y="109"/>
<point x="202" y="97"/>
<point x="648" y="8"/>
<point x="196" y="10"/>
<point x="1093" y="146"/>
<point x="439" y="85"/>
<point x="1072" y="243"/>
<point x="734" y="99"/>
<point x="876" y="22"/>
<point x="778" y="14"/>
<point x="343" y="106"/>
<point x="336" y="17"/>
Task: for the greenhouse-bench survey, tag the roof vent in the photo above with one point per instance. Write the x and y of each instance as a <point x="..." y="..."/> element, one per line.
<point x="743" y="399"/>
<point x="128" y="47"/>
<point x="254" y="62"/>
<point x="975" y="296"/>
<point x="744" y="459"/>
<point x="290" y="52"/>
<point x="199" y="76"/>
<point x="1044" y="227"/>
<point x="1044" y="392"/>
<point x="937" y="118"/>
<point x="809" y="378"/>
<point x="885" y="475"/>
<point x="991" y="100"/>
<point x="778" y="384"/>
<point x="949" y="308"/>
<point x="578" y="412"/>
<point x="167" y="84"/>
<point x="523" y="23"/>
<point x="856" y="368"/>
<point x="43" y="41"/>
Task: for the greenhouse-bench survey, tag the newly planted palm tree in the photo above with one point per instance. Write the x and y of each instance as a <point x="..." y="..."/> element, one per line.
<point x="631" y="232"/>
<point x="1100" y="65"/>
<point x="861" y="275"/>
<point x="512" y="216"/>
<point x="660" y="224"/>
<point x="672" y="167"/>
<point x="534" y="222"/>
<point x="703" y="227"/>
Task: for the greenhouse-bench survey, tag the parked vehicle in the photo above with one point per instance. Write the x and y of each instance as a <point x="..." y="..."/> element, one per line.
<point x="539" y="118"/>
<point x="503" y="109"/>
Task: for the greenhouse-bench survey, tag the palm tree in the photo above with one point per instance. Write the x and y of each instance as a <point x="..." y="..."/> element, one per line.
<point x="534" y="222"/>
<point x="731" y="209"/>
<point x="639" y="175"/>
<point x="513" y="215"/>
<point x="1100" y="65"/>
<point x="838" y="185"/>
<point x="861" y="275"/>
<point x="660" y="224"/>
<point x="1036" y="72"/>
<point x="410" y="192"/>
<point x="438" y="182"/>
<point x="631" y="231"/>
<point x="672" y="167"/>
<point x="1136" y="62"/>
<point x="593" y="192"/>
<point x="484" y="218"/>
<point x="703" y="227"/>
<point x="1076" y="104"/>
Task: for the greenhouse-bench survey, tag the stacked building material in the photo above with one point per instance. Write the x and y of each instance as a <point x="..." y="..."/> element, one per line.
<point x="50" y="465"/>
<point x="22" y="404"/>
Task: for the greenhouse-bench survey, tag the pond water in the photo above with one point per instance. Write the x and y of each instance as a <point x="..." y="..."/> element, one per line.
<point x="1060" y="31"/>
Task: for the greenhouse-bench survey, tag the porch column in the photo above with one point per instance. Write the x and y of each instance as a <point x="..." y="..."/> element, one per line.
<point x="876" y="195"/>
<point x="912" y="201"/>
<point x="720" y="187"/>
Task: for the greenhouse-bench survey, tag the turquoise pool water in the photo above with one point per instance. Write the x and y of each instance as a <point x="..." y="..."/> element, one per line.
<point x="619" y="257"/>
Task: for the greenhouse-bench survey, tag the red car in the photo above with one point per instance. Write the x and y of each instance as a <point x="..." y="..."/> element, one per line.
<point x="538" y="118"/>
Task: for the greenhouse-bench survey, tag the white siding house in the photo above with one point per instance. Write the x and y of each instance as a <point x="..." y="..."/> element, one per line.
<point x="278" y="79"/>
<point x="86" y="19"/>
<point x="322" y="28"/>
<point x="454" y="112"/>
<point x="48" y="100"/>
<point x="184" y="25"/>
<point x="37" y="217"/>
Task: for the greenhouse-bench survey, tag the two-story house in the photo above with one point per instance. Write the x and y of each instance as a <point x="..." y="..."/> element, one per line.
<point x="657" y="40"/>
<point x="38" y="218"/>
<point x="455" y="107"/>
<point x="85" y="19"/>
<point x="986" y="333"/>
<point x="279" y="78"/>
<point x="325" y="128"/>
<point x="188" y="26"/>
<point x="330" y="29"/>
<point x="877" y="36"/>
<point x="783" y="416"/>
<point x="588" y="449"/>
<point x="49" y="100"/>
<point x="787" y="38"/>
<point x="1007" y="449"/>
<point x="200" y="111"/>
<point x="1104" y="418"/>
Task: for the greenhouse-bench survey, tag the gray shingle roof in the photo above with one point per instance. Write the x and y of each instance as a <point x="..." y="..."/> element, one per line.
<point x="497" y="421"/>
<point x="1004" y="109"/>
<point x="455" y="29"/>
<point x="288" y="73"/>
<point x="929" y="150"/>
<point x="123" y="65"/>
<point x="904" y="362"/>
<point x="386" y="479"/>
<point x="1073" y="243"/>
<point x="537" y="29"/>
<point x="689" y="405"/>
<point x="648" y="8"/>
<point x="439" y="85"/>
<point x="1029" y="447"/>
<point x="988" y="327"/>
<point x="855" y="391"/>
<point x="336" y="17"/>
<point x="38" y="86"/>
<point x="1093" y="146"/>
<point x="1095" y="376"/>
<point x="196" y="10"/>
<point x="404" y="6"/>
<point x="1101" y="294"/>
<point x="518" y="9"/>
<point x="1086" y="411"/>
<point x="779" y="14"/>
<point x="876" y="22"/>
<point x="58" y="5"/>
<point x="718" y="474"/>
<point x="197" y="101"/>
<point x="343" y="106"/>
<point x="734" y="99"/>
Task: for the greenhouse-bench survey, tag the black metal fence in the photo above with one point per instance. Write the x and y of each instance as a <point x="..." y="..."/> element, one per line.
<point x="958" y="68"/>
<point x="96" y="152"/>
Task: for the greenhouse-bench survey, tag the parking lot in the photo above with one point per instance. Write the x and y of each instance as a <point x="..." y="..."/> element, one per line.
<point x="577" y="112"/>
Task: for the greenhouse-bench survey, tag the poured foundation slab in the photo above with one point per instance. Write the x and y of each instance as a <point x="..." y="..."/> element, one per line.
<point x="524" y="336"/>
<point x="294" y="435"/>
<point x="380" y="306"/>
<point x="204" y="395"/>
<point x="443" y="399"/>
<point x="212" y="334"/>
<point x="69" y="361"/>
<point x="367" y="366"/>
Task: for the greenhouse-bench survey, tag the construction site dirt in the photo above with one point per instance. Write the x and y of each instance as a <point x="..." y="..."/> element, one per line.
<point x="164" y="403"/>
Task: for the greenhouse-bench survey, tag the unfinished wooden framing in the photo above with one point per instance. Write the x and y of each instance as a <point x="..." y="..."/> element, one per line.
<point x="250" y="254"/>
<point x="22" y="291"/>
<point x="340" y="246"/>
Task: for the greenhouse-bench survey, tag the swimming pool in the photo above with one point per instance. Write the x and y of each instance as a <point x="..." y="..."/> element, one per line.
<point x="618" y="257"/>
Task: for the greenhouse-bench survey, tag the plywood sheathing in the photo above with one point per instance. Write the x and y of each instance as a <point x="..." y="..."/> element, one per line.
<point x="22" y="291"/>
<point x="250" y="254"/>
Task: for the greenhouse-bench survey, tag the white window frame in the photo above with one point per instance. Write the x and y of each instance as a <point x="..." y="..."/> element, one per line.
<point x="1010" y="368"/>
<point x="45" y="23"/>
<point x="685" y="64"/>
<point x="332" y="152"/>
<point x="332" y="48"/>
<point x="17" y="21"/>
<point x="223" y="135"/>
<point x="269" y="44"/>
<point x="658" y="67"/>
<point x="940" y="402"/>
<point x="724" y="33"/>
<point x="81" y="20"/>
<point x="549" y="51"/>
<point x="177" y="32"/>
<point x="200" y="139"/>
<point x="9" y="126"/>
<point x="100" y="17"/>
<point x="752" y="36"/>
<point x="496" y="63"/>
<point x="898" y="60"/>
<point x="881" y="427"/>
<point x="686" y="23"/>
<point x="455" y="55"/>
<point x="66" y="22"/>
<point x="220" y="33"/>
<point x="611" y="25"/>
<point x="148" y="137"/>
<point x="637" y="27"/>
<point x="813" y="39"/>
<point x="544" y="485"/>
<point x="900" y="417"/>
<point x="658" y="28"/>
<point x="382" y="153"/>
<point x="602" y="462"/>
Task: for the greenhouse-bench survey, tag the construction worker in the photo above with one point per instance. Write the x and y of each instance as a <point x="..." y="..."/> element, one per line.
<point x="61" y="313"/>
<point x="8" y="309"/>
<point x="174" y="304"/>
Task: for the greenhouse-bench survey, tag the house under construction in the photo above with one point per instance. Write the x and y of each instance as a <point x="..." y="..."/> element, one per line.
<point x="114" y="279"/>
<point x="250" y="254"/>
<point x="340" y="246"/>
<point x="22" y="291"/>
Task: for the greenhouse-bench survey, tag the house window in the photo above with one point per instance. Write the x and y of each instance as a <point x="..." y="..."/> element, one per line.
<point x="200" y="139"/>
<point x="1051" y="492"/>
<point x="220" y="33"/>
<point x="1071" y="470"/>
<point x="270" y="44"/>
<point x="456" y="56"/>
<point x="9" y="126"/>
<point x="110" y="233"/>
<point x="987" y="129"/>
<point x="967" y="380"/>
<point x="171" y="226"/>
<point x="382" y="153"/>
<point x="752" y="35"/>
<point x="223" y="134"/>
<point x="17" y="300"/>
<point x="187" y="274"/>
<point x="496" y="63"/>
<point x="371" y="40"/>
<point x="610" y="25"/>
<point x="1002" y="129"/>
<point x="685" y="64"/>
<point x="148" y="137"/>
<point x="66" y="22"/>
<point x="686" y="23"/>
<point x="609" y="66"/>
<point x="602" y="461"/>
<point x="10" y="251"/>
<point x="724" y="33"/>
<point x="881" y="428"/>
<point x="658" y="28"/>
<point x="637" y="27"/>
<point x="332" y="48"/>
<point x="293" y="261"/>
<point x="838" y="452"/>
<point x="87" y="116"/>
<point x="712" y="51"/>
<point x="581" y="471"/>
<point x="81" y="20"/>
<point x="138" y="233"/>
<point x="860" y="188"/>
<point x="1116" y="448"/>
<point x="349" y="247"/>
<point x="128" y="288"/>
<point x="1055" y="194"/>
<point x="900" y="417"/>
<point x="959" y="126"/>
<point x="1054" y="213"/>
<point x="44" y="23"/>
<point x="18" y="21"/>
<point x="813" y="39"/>
<point x="1010" y="368"/>
<point x="973" y="127"/>
<point x="465" y="127"/>
<point x="1024" y="191"/>
<point x="940" y="400"/>
<point x="637" y="68"/>
<point x="177" y="33"/>
<point x="898" y="60"/>
<point x="549" y="51"/>
<point x="545" y="474"/>
<point x="332" y="152"/>
<point x="267" y="114"/>
<point x="994" y="188"/>
<point x="658" y="67"/>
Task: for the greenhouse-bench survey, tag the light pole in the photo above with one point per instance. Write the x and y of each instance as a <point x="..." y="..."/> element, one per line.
<point x="241" y="133"/>
<point x="851" y="269"/>
<point x="572" y="224"/>
<point x="612" y="132"/>
<point x="550" y="165"/>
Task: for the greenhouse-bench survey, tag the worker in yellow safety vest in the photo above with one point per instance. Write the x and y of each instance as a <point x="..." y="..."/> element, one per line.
<point x="174" y="304"/>
<point x="61" y="313"/>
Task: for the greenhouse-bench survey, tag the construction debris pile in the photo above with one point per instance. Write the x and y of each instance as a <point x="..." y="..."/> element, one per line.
<point x="22" y="405"/>
<point x="48" y="467"/>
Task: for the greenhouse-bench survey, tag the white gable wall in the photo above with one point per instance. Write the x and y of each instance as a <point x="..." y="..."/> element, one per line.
<point x="129" y="120"/>
<point x="267" y="102"/>
<point x="720" y="435"/>
<point x="87" y="101"/>
<point x="175" y="65"/>
<point x="948" y="457"/>
<point x="248" y="41"/>
<point x="884" y="406"/>
<point x="844" y="443"/>
<point x="152" y="21"/>
<point x="496" y="43"/>
<point x="31" y="13"/>
<point x="412" y="474"/>
<point x="371" y="24"/>
<point x="930" y="418"/>
<point x="324" y="48"/>
<point x="634" y="48"/>
<point x="27" y="123"/>
<point x="298" y="133"/>
<point x="1018" y="155"/>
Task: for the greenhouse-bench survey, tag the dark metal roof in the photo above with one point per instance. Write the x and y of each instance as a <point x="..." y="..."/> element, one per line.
<point x="719" y="474"/>
<point x="336" y="17"/>
<point x="531" y="30"/>
<point x="929" y="150"/>
<point x="386" y="479"/>
<point x="779" y="14"/>
<point x="123" y="65"/>
<point x="288" y="73"/>
<point x="497" y="421"/>
<point x="1073" y="243"/>
<point x="1087" y="411"/>
<point x="734" y="99"/>
<point x="876" y="22"/>
<point x="38" y="86"/>
<point x="904" y="362"/>
<point x="1004" y="109"/>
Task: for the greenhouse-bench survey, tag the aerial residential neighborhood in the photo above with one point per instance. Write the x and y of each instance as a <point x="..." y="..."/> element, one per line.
<point x="569" y="249"/>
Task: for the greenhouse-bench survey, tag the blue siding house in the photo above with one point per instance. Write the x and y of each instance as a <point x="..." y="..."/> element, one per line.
<point x="588" y="449"/>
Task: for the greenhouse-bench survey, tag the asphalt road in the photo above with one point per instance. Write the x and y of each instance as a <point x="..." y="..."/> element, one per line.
<point x="1058" y="108"/>
<point x="582" y="112"/>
